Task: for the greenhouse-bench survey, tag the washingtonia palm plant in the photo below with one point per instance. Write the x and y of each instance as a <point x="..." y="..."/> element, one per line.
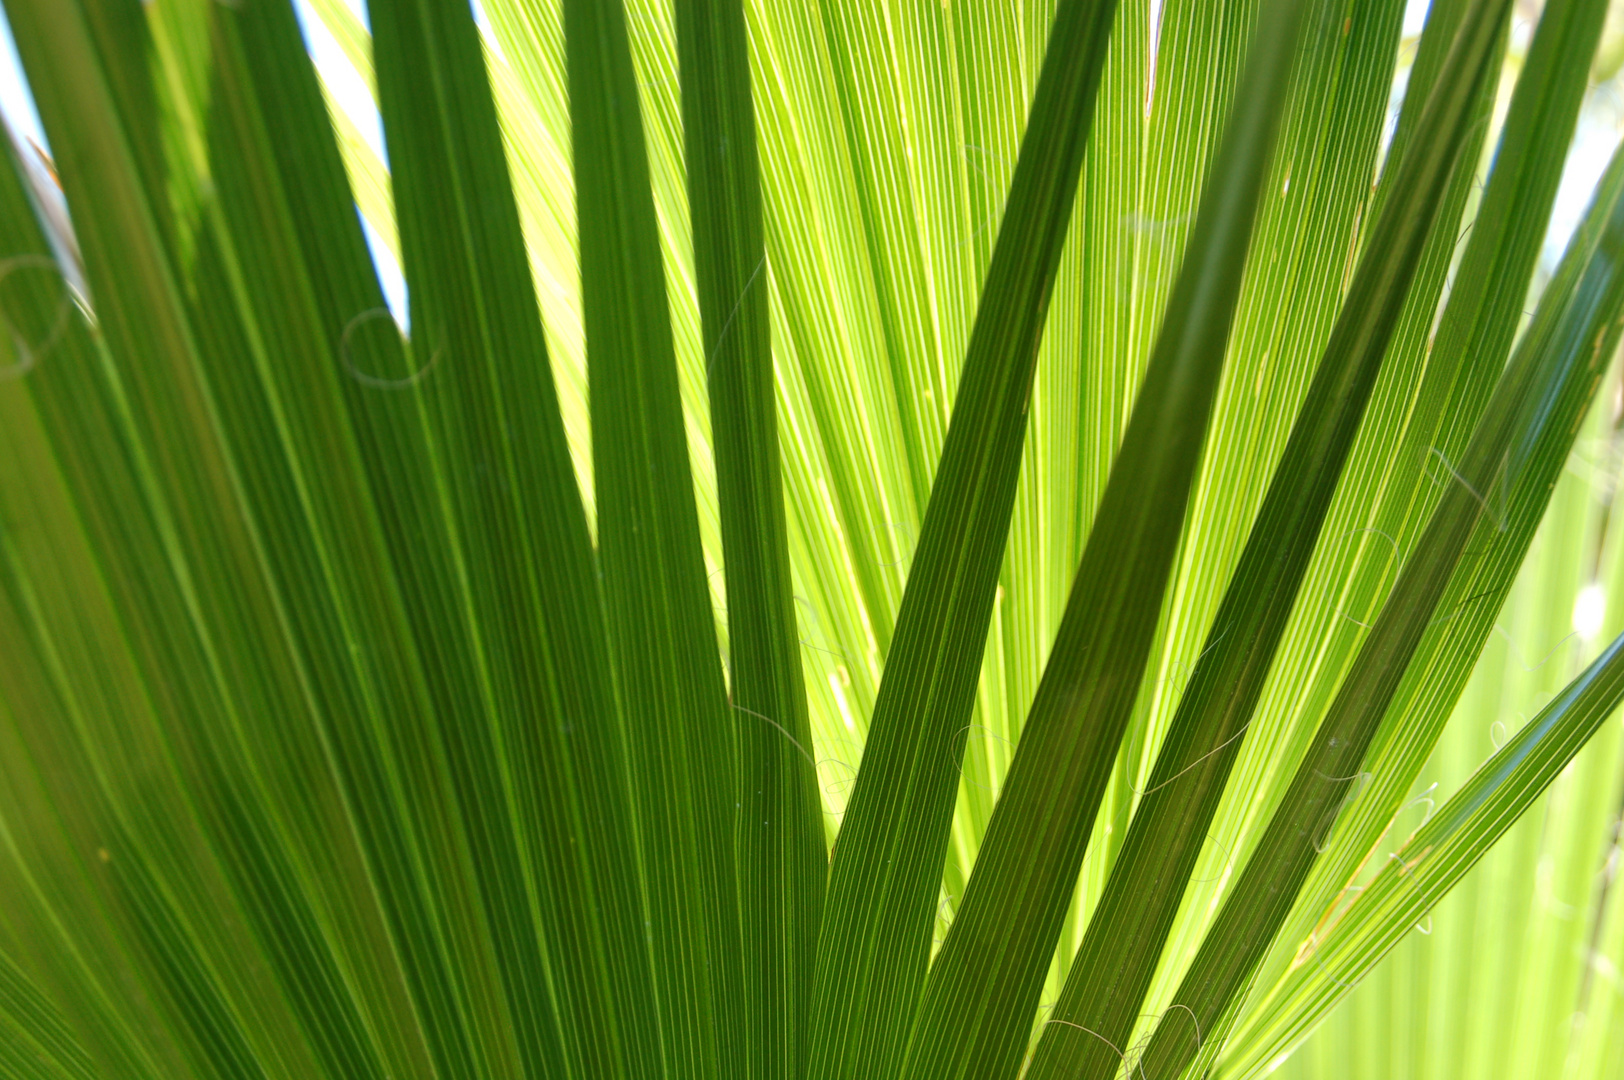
<point x="559" y="690"/>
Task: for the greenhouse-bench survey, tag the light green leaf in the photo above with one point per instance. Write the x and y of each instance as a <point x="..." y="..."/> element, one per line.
<point x="1544" y="368"/>
<point x="984" y="984"/>
<point x="1441" y="852"/>
<point x="1575" y="330"/>
<point x="1101" y="1002"/>
<point x="885" y="871"/>
<point x="782" y="859"/>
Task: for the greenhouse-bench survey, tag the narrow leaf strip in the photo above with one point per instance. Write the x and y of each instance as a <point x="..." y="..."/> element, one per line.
<point x="782" y="859"/>
<point x="678" y="724"/>
<point x="887" y="862"/>
<point x="1588" y="294"/>
<point x="983" y="988"/>
<point x="503" y="588"/>
<point x="1103" y="997"/>
<point x="1441" y="852"/>
<point x="1559" y="354"/>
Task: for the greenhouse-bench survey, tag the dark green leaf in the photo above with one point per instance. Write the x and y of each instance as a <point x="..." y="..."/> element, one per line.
<point x="678" y="724"/>
<point x="984" y="986"/>
<point x="886" y="867"/>
<point x="782" y="859"/>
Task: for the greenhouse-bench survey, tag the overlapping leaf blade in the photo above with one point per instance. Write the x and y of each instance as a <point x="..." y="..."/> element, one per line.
<point x="679" y="728"/>
<point x="782" y="859"/>
<point x="1311" y="233"/>
<point x="177" y="622"/>
<point x="254" y="128"/>
<point x="1575" y="330"/>
<point x="523" y="602"/>
<point x="1453" y="840"/>
<point x="1101" y="1002"/>
<point x="351" y="543"/>
<point x="183" y="627"/>
<point x="1286" y="852"/>
<point x="885" y="871"/>
<point x="984" y="984"/>
<point x="1474" y="333"/>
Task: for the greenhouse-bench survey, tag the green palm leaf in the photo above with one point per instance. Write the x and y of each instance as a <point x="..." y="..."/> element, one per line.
<point x="795" y="400"/>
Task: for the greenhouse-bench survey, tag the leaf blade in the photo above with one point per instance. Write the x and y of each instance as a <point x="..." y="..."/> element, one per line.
<point x="679" y="728"/>
<point x="782" y="860"/>
<point x="1125" y="938"/>
<point x="1584" y="300"/>
<point x="909" y="772"/>
<point x="1287" y="849"/>
<point x="998" y="948"/>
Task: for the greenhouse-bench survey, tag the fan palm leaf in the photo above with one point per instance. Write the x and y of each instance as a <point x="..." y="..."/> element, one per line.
<point x="884" y="540"/>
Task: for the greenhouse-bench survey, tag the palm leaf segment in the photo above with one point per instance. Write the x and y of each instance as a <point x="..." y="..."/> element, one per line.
<point x="1017" y="444"/>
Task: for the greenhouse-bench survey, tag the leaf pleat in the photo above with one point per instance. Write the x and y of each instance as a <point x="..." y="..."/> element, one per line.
<point x="885" y="871"/>
<point x="782" y="860"/>
<point x="984" y="984"/>
<point x="679" y="727"/>
<point x="1102" y="1000"/>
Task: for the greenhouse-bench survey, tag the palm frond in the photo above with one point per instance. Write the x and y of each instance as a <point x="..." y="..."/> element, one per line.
<point x="1066" y="468"/>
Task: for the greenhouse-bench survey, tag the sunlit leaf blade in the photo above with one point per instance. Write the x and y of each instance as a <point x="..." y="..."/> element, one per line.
<point x="1485" y="305"/>
<point x="343" y="20"/>
<point x="1413" y="400"/>
<point x="1448" y="845"/>
<point x="1416" y="403"/>
<point x="1145" y="199"/>
<point x="885" y="872"/>
<point x="1603" y="1034"/>
<point x="1576" y="328"/>
<point x="1560" y="356"/>
<point x="1101" y="1002"/>
<point x="781" y="853"/>
<point x="984" y="985"/>
<point x="1310" y="231"/>
<point x="284" y="793"/>
<point x="677" y="721"/>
